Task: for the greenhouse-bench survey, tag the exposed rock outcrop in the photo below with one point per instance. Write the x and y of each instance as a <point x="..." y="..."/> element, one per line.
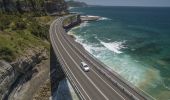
<point x="6" y="5"/>
<point x="76" y="4"/>
<point x="9" y="73"/>
<point x="56" y="7"/>
<point x="50" y="6"/>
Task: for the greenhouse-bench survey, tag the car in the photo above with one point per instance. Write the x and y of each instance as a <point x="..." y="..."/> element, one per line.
<point x="85" y="67"/>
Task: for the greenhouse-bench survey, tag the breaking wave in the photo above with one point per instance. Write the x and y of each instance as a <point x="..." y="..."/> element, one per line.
<point x="84" y="24"/>
<point x="114" y="46"/>
<point x="125" y="65"/>
<point x="100" y="18"/>
<point x="104" y="18"/>
<point x="70" y="8"/>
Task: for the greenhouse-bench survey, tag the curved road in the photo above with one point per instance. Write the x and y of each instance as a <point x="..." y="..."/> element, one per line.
<point x="92" y="85"/>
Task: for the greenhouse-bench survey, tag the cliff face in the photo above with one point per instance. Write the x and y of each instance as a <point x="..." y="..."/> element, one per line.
<point x="56" y="6"/>
<point x="76" y="4"/>
<point x="8" y="76"/>
<point x="6" y="5"/>
<point x="9" y="73"/>
<point x="49" y="6"/>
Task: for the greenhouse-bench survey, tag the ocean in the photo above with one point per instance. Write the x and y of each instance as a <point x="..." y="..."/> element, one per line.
<point x="133" y="41"/>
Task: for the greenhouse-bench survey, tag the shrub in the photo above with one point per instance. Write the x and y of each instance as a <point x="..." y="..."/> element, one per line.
<point x="4" y="22"/>
<point x="6" y="53"/>
<point x="39" y="30"/>
<point x="18" y="25"/>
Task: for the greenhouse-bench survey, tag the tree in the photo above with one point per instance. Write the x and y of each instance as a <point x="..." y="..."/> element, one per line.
<point x="18" y="6"/>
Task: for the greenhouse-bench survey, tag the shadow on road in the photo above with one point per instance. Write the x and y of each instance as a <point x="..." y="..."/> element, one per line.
<point x="57" y="76"/>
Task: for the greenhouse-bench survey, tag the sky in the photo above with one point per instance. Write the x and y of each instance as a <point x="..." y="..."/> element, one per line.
<point x="162" y="3"/>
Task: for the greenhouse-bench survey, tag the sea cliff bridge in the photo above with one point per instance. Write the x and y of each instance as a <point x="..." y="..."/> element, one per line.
<point x="100" y="83"/>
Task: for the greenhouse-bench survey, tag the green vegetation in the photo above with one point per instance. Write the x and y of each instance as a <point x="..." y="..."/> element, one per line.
<point x="69" y="20"/>
<point x="19" y="32"/>
<point x="73" y="3"/>
<point x="22" y="5"/>
<point x="24" y="25"/>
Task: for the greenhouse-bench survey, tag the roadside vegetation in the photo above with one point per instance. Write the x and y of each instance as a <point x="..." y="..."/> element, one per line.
<point x="24" y="40"/>
<point x="19" y="32"/>
<point x="75" y="3"/>
<point x="69" y="20"/>
<point x="24" y="24"/>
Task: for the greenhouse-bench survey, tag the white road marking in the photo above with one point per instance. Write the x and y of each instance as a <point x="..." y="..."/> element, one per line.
<point x="96" y="73"/>
<point x="131" y="93"/>
<point x="81" y="70"/>
<point x="73" y="74"/>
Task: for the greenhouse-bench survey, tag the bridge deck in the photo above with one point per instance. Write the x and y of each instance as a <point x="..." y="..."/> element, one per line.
<point x="92" y="85"/>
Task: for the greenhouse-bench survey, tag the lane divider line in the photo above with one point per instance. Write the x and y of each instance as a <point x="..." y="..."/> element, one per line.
<point x="81" y="70"/>
<point x="95" y="72"/>
<point x="75" y="79"/>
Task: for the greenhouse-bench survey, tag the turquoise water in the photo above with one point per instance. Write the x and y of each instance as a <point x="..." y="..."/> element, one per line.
<point x="133" y="41"/>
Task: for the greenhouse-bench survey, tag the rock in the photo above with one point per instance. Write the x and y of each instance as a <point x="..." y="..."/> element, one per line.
<point x="43" y="55"/>
<point x="76" y="4"/>
<point x="9" y="73"/>
<point x="54" y="7"/>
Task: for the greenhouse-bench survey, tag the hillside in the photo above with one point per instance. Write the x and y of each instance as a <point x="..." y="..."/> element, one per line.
<point x="25" y="25"/>
<point x="25" y="46"/>
<point x="20" y="32"/>
<point x="32" y="5"/>
<point x="76" y="4"/>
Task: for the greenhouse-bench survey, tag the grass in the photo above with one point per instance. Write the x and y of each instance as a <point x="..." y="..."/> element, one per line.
<point x="21" y="32"/>
<point x="14" y="44"/>
<point x="69" y="20"/>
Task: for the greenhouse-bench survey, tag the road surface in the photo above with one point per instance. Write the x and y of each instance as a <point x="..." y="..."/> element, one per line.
<point x="92" y="85"/>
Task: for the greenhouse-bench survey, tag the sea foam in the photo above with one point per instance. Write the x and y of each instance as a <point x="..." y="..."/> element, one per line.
<point x="82" y="25"/>
<point x="124" y="65"/>
<point x="114" y="46"/>
<point x="100" y="17"/>
<point x="104" y="18"/>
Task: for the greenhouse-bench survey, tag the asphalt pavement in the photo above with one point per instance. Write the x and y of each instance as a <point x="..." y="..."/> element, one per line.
<point x="92" y="85"/>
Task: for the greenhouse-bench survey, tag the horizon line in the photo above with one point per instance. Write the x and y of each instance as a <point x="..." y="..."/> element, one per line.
<point x="130" y="6"/>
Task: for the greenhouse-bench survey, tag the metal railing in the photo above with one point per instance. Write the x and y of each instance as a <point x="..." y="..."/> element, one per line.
<point x="134" y="88"/>
<point x="80" y="95"/>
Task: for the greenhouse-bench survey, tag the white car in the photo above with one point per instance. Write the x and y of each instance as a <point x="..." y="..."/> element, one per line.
<point x="85" y="67"/>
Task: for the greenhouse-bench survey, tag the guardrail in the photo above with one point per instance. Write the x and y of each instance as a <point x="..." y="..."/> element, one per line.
<point x="103" y="72"/>
<point x="80" y="95"/>
<point x="137" y="90"/>
<point x="71" y="81"/>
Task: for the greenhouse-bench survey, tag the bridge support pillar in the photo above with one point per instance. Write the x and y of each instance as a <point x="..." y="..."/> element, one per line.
<point x="56" y="72"/>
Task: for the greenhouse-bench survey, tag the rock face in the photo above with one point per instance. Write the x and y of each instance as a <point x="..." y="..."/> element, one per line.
<point x="6" y="5"/>
<point x="76" y="4"/>
<point x="56" y="6"/>
<point x="9" y="73"/>
<point x="50" y="6"/>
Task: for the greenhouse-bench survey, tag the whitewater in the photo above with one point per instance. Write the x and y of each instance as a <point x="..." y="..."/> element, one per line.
<point x="132" y="42"/>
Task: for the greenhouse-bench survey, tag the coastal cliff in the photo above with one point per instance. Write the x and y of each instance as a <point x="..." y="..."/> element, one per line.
<point x="25" y="48"/>
<point x="56" y="7"/>
<point x="48" y="6"/>
<point x="76" y="4"/>
<point x="11" y="72"/>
